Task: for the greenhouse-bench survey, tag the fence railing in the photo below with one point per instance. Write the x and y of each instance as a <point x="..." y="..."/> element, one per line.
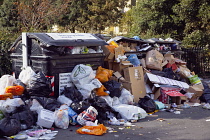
<point x="198" y="60"/>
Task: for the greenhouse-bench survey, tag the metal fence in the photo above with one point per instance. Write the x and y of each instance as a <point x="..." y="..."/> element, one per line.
<point x="198" y="60"/>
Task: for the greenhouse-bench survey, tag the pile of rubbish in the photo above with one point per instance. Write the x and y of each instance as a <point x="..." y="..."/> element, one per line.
<point x="125" y="91"/>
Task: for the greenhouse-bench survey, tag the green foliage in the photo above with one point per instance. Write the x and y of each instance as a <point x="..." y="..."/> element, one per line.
<point x="155" y="18"/>
<point x="5" y="43"/>
<point x="92" y="15"/>
<point x="9" y="17"/>
<point x="196" y="16"/>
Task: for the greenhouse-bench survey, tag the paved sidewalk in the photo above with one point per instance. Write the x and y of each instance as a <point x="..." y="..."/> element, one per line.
<point x="191" y="124"/>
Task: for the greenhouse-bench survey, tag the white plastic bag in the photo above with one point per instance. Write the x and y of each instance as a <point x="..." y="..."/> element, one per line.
<point x="89" y="114"/>
<point x="61" y="118"/>
<point x="84" y="79"/>
<point x="130" y="112"/>
<point x="126" y="97"/>
<point x="10" y="104"/>
<point x="26" y="74"/>
<point x="36" y="106"/>
<point x="82" y="75"/>
<point x="116" y="101"/>
<point x="64" y="100"/>
<point x="108" y="99"/>
<point x="5" y="81"/>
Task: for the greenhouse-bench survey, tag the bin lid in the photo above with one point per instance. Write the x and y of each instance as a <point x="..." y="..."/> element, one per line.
<point x="127" y="39"/>
<point x="66" y="39"/>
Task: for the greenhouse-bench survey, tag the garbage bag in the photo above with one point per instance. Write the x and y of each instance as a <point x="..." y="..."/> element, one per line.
<point x="39" y="85"/>
<point x="82" y="75"/>
<point x="5" y="96"/>
<point x="6" y="80"/>
<point x="26" y="74"/>
<point x="113" y="87"/>
<point x="72" y="93"/>
<point x="206" y="88"/>
<point x="73" y="116"/>
<point x="9" y="126"/>
<point x="48" y="103"/>
<point x="134" y="60"/>
<point x="92" y="130"/>
<point x="64" y="100"/>
<point x="24" y="115"/>
<point x="61" y="118"/>
<point x="130" y="112"/>
<point x="80" y="106"/>
<point x="103" y="108"/>
<point x="101" y="91"/>
<point x="205" y="98"/>
<point x="126" y="97"/>
<point x="89" y="114"/>
<point x="15" y="90"/>
<point x="170" y="74"/>
<point x="1" y="115"/>
<point x="11" y="104"/>
<point x="147" y="104"/>
<point x="103" y="74"/>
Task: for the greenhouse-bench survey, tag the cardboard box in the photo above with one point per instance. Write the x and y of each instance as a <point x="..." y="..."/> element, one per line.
<point x="45" y="118"/>
<point x="119" y="51"/>
<point x="136" y="77"/>
<point x="176" y="100"/>
<point x="120" y="66"/>
<point x="195" y="89"/>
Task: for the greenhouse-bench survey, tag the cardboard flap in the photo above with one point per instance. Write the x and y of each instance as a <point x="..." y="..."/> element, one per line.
<point x="118" y="75"/>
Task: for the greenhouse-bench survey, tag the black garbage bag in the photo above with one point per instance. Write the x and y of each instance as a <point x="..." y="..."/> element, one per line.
<point x="39" y="85"/>
<point x="9" y="126"/>
<point x="206" y="88"/>
<point x="205" y="98"/>
<point x="103" y="109"/>
<point x="113" y="87"/>
<point x="80" y="106"/>
<point x="157" y="72"/>
<point x="48" y="103"/>
<point x="72" y="93"/>
<point x="147" y="104"/>
<point x="170" y="74"/>
<point x="24" y="115"/>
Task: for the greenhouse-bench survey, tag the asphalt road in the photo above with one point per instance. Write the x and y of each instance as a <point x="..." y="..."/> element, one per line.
<point x="191" y="124"/>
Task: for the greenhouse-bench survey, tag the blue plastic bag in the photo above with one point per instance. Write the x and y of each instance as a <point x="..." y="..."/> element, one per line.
<point x="134" y="60"/>
<point x="73" y="116"/>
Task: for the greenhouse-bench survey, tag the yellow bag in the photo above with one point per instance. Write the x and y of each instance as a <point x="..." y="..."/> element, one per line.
<point x="15" y="90"/>
<point x="5" y="96"/>
<point x="103" y="74"/>
<point x="92" y="130"/>
<point x="100" y="91"/>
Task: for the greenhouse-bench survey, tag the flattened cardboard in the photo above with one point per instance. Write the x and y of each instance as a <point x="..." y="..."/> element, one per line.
<point x="135" y="76"/>
<point x="162" y="80"/>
